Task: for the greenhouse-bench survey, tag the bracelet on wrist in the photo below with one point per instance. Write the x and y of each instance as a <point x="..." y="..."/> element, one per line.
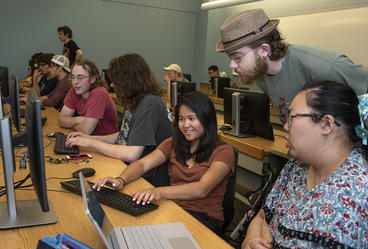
<point x="120" y="178"/>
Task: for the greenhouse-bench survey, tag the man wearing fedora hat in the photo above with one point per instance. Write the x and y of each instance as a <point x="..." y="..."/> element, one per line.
<point x="60" y="68"/>
<point x="258" y="53"/>
<point x="173" y="73"/>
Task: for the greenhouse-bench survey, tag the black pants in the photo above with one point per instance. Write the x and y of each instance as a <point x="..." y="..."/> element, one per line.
<point x="210" y="222"/>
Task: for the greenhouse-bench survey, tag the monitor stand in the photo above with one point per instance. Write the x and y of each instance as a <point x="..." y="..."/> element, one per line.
<point x="19" y="213"/>
<point x="235" y="117"/>
<point x="28" y="213"/>
<point x="236" y="133"/>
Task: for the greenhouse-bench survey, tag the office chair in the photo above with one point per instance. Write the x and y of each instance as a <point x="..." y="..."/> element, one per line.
<point x="268" y="179"/>
<point x="160" y="176"/>
<point x="228" y="202"/>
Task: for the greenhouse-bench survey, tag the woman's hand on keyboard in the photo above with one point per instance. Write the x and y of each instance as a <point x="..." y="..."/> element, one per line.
<point x="108" y="181"/>
<point x="147" y="195"/>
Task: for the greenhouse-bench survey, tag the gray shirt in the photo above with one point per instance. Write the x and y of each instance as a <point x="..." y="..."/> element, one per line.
<point x="302" y="65"/>
<point x="147" y="125"/>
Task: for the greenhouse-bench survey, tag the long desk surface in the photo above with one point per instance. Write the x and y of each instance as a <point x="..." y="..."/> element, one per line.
<point x="69" y="207"/>
<point x="256" y="146"/>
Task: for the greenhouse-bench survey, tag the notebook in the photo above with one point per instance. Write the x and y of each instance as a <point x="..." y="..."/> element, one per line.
<point x="166" y="235"/>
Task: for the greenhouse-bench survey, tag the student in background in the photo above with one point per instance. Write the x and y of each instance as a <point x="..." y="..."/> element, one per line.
<point x="70" y="49"/>
<point x="59" y="68"/>
<point x="32" y="67"/>
<point x="320" y="198"/>
<point x="146" y="121"/>
<point x="95" y="109"/>
<point x="48" y="80"/>
<point x="258" y="53"/>
<point x="173" y="73"/>
<point x="213" y="71"/>
<point x="199" y="163"/>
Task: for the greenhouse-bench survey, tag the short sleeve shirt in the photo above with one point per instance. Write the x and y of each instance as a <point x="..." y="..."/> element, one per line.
<point x="70" y="51"/>
<point x="98" y="105"/>
<point x="334" y="214"/>
<point x="180" y="174"/>
<point x="47" y="86"/>
<point x="304" y="64"/>
<point x="147" y="125"/>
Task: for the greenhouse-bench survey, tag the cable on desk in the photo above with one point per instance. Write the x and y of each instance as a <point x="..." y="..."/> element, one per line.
<point x="50" y="141"/>
<point x="51" y="190"/>
<point x="17" y="184"/>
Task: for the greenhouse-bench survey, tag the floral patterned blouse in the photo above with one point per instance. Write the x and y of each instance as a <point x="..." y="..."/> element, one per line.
<point x="334" y="214"/>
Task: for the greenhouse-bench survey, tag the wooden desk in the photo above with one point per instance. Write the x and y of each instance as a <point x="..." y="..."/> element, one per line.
<point x="69" y="207"/>
<point x="254" y="152"/>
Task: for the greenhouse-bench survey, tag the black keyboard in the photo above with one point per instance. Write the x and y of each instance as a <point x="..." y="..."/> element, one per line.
<point x="60" y="147"/>
<point x="113" y="198"/>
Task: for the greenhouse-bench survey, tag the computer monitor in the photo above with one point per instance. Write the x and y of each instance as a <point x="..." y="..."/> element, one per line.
<point x="19" y="139"/>
<point x="178" y="89"/>
<point x="187" y="76"/>
<point x="22" y="213"/>
<point x="4" y="81"/>
<point x="248" y="112"/>
<point x="218" y="84"/>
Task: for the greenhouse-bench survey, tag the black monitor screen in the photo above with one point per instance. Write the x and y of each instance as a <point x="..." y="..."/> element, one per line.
<point x="187" y="76"/>
<point x="179" y="88"/>
<point x="221" y="83"/>
<point x="254" y="112"/>
<point x="4" y="81"/>
<point x="35" y="147"/>
<point x="14" y="102"/>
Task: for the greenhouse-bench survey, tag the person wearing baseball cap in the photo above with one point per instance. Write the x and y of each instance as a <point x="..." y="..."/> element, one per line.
<point x="173" y="73"/>
<point x="259" y="53"/>
<point x="60" y="68"/>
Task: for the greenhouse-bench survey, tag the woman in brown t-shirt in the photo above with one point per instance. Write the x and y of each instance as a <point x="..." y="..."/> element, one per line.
<point x="199" y="164"/>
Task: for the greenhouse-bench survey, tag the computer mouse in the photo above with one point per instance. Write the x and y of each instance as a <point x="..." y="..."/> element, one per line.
<point x="53" y="134"/>
<point x="87" y="172"/>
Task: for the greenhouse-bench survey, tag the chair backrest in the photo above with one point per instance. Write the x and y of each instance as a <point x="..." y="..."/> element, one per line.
<point x="228" y="202"/>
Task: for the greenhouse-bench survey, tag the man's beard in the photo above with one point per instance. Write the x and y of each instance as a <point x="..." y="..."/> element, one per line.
<point x="259" y="70"/>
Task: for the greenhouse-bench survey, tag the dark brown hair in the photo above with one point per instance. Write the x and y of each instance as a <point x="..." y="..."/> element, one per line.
<point x="66" y="30"/>
<point x="45" y="58"/>
<point x="92" y="70"/>
<point x="277" y="43"/>
<point x="133" y="79"/>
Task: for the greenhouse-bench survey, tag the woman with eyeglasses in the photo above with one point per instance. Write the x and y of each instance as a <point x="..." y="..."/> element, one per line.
<point x="320" y="199"/>
<point x="88" y="107"/>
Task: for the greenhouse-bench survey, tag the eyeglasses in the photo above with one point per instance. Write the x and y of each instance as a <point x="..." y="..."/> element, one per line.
<point x="78" y="78"/>
<point x="237" y="58"/>
<point x="314" y="116"/>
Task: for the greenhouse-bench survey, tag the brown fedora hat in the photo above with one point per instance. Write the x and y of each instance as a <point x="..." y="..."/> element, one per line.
<point x="244" y="28"/>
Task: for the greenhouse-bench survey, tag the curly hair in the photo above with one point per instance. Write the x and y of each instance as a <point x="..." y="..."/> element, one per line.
<point x="133" y="79"/>
<point x="277" y="43"/>
<point x="92" y="70"/>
